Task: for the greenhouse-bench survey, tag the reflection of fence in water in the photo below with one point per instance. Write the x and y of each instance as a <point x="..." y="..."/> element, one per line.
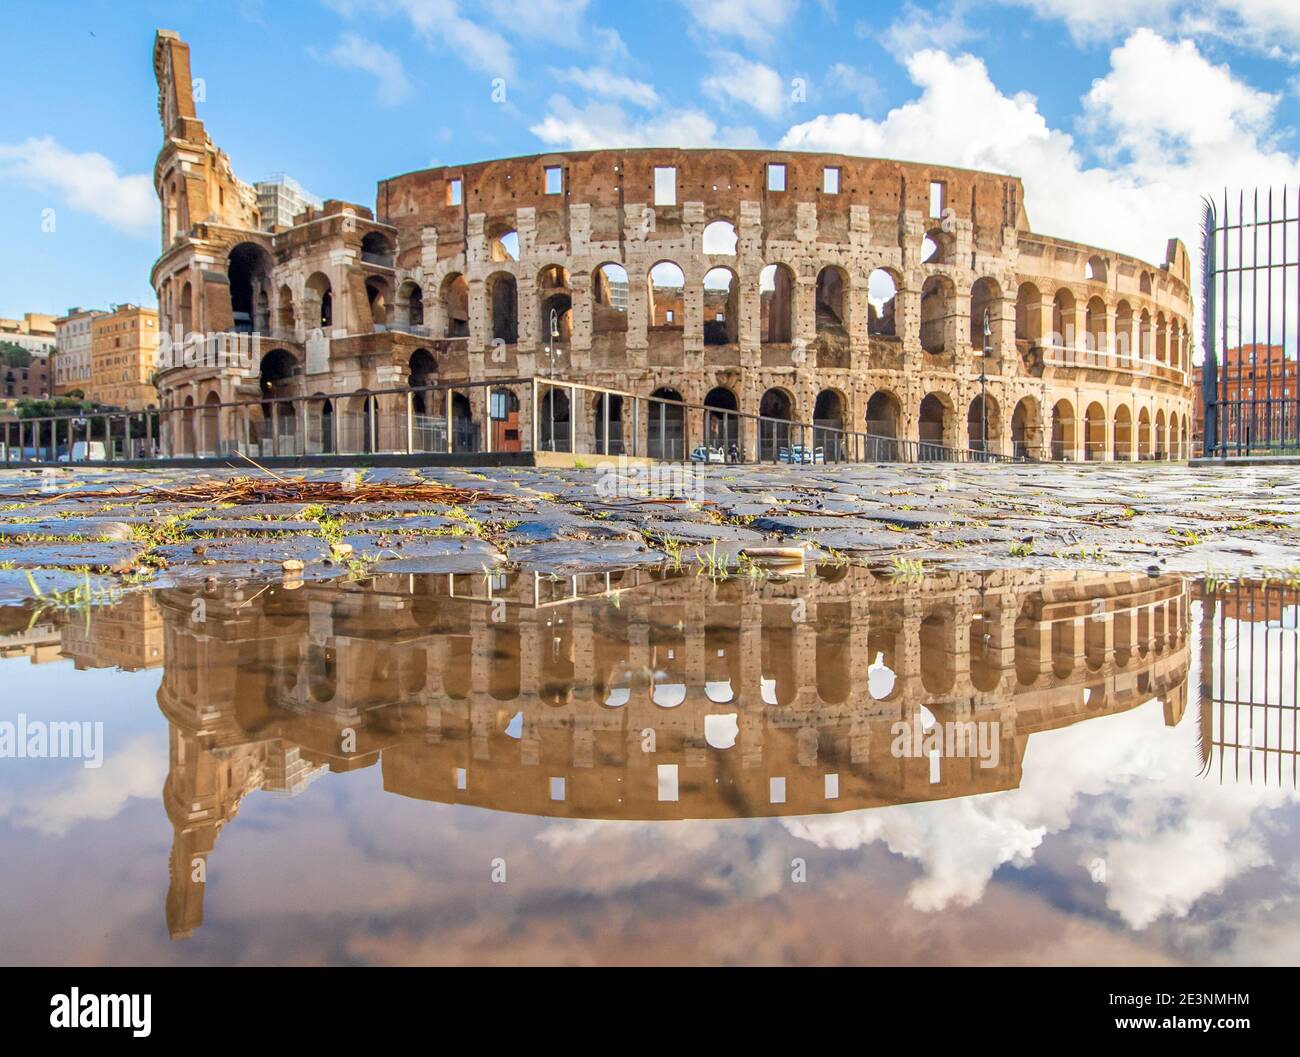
<point x="1250" y="661"/>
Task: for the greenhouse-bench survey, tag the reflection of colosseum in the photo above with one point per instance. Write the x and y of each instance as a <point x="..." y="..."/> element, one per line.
<point x="517" y="694"/>
<point x="843" y="291"/>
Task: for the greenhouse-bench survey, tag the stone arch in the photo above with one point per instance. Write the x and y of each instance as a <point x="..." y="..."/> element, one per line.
<point x="1161" y="451"/>
<point x="1095" y="270"/>
<point x="210" y="425"/>
<point x="1123" y="441"/>
<point x="285" y="321"/>
<point x="985" y="296"/>
<point x="503" y="243"/>
<point x="935" y="426"/>
<point x="609" y="294"/>
<point x="1094" y="315"/>
<point x="721" y="306"/>
<point x="666" y="285"/>
<point x="776" y="304"/>
<point x="1124" y="329"/>
<point x="937" y="246"/>
<point x="832" y="300"/>
<point x="1063" y="439"/>
<point x="503" y="304"/>
<point x="1094" y="433"/>
<point x="1144" y="434"/>
<point x="598" y="418"/>
<point x="722" y="421"/>
<point x="1029" y="313"/>
<point x="984" y="416"/>
<point x="882" y="302"/>
<point x="453" y="296"/>
<point x="248" y="270"/>
<point x="884" y="418"/>
<point x="377" y="248"/>
<point x="666" y="428"/>
<point x="1026" y="429"/>
<point x="187" y="310"/>
<point x="776" y="411"/>
<point x="936" y="305"/>
<point x="1063" y="307"/>
<point x="553" y="419"/>
<point x="378" y="297"/>
<point x="828" y="424"/>
<point x="719" y="239"/>
<point x="318" y="301"/>
<point x="555" y="295"/>
<point x="410" y="304"/>
<point x="938" y="670"/>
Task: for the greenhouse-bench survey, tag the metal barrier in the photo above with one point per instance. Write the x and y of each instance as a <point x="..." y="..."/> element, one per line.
<point x="1251" y="275"/>
<point x="464" y="418"/>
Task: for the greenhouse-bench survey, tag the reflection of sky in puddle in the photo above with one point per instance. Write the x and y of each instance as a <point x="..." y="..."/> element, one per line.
<point x="1121" y="838"/>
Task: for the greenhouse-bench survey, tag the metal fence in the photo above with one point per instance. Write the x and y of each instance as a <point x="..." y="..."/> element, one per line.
<point x="467" y="418"/>
<point x="1250" y="251"/>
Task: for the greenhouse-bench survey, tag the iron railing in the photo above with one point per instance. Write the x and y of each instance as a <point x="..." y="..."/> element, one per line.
<point x="1250" y="251"/>
<point x="467" y="418"/>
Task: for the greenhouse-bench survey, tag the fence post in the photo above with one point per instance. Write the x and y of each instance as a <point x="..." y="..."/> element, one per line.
<point x="451" y="441"/>
<point x="1210" y="365"/>
<point x="410" y="422"/>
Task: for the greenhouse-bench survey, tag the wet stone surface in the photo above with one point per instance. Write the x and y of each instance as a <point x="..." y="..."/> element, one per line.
<point x="1230" y="522"/>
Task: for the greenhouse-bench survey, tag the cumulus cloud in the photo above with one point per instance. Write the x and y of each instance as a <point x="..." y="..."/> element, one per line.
<point x="754" y="22"/>
<point x="917" y="28"/>
<point x="739" y="80"/>
<point x="88" y="182"/>
<point x="353" y="52"/>
<point x="613" y="86"/>
<point x="600" y="126"/>
<point x="1172" y="126"/>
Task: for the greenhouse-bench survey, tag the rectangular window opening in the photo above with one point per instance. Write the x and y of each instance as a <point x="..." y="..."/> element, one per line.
<point x="830" y="181"/>
<point x="776" y="177"/>
<point x="453" y="192"/>
<point x="665" y="185"/>
<point x="936" y="198"/>
<point x="554" y="180"/>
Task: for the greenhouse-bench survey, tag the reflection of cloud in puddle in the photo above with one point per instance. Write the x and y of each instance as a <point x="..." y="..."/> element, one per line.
<point x="720" y="731"/>
<point x="1166" y="835"/>
<point x="136" y="769"/>
<point x="880" y="678"/>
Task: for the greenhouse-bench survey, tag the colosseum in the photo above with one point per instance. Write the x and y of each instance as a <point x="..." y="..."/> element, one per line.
<point x="722" y="296"/>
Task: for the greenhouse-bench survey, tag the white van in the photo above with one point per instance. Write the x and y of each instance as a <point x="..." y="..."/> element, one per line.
<point x="86" y="451"/>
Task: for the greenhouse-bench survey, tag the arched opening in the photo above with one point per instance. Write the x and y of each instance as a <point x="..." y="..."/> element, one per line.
<point x="1063" y="439"/>
<point x="937" y="246"/>
<point x="667" y="285"/>
<point x="377" y="296"/>
<point x="1029" y="314"/>
<point x="210" y="431"/>
<point x="607" y="422"/>
<point x="454" y="296"/>
<point x="554" y="420"/>
<point x="882" y="303"/>
<point x="410" y="305"/>
<point x="936" y="302"/>
<point x="556" y="299"/>
<point x="464" y="430"/>
<point x="503" y="243"/>
<point x="1095" y="321"/>
<point x="284" y="317"/>
<point x="1162" y="452"/>
<point x="1063" y="311"/>
<point x="248" y="268"/>
<point x="1124" y="330"/>
<point x="359" y="428"/>
<point x="720" y="239"/>
<point x="1162" y="348"/>
<point x="884" y="412"/>
<point x="377" y="248"/>
<point x="1026" y="430"/>
<point x="1144" y="335"/>
<point x="983" y="424"/>
<point x="1144" y="434"/>
<point x="1174" y="449"/>
<point x="1095" y="270"/>
<point x="318" y="302"/>
<point x="776" y="680"/>
<point x="1029" y="642"/>
<point x="609" y="292"/>
<point x="985" y="301"/>
<point x="834" y="653"/>
<point x="776" y="303"/>
<point x="721" y="307"/>
<point x="1095" y="433"/>
<point x="187" y="310"/>
<point x="503" y="296"/>
<point x="320" y="438"/>
<point x="828" y="427"/>
<point x="832" y="301"/>
<point x="985" y="650"/>
<point x="933" y="429"/>
<point x="938" y="670"/>
<point x="275" y="380"/>
<point x="422" y="372"/>
<point x="1063" y="647"/>
<point x="722" y="423"/>
<point x="1123" y="443"/>
<point x="666" y="427"/>
<point x="776" y="410"/>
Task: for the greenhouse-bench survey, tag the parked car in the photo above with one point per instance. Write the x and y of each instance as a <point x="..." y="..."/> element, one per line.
<point x="703" y="453"/>
<point x="801" y="454"/>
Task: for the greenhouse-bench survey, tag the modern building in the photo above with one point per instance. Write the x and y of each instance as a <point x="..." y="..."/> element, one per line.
<point x="123" y="357"/>
<point x="71" y="363"/>
<point x="909" y="301"/>
<point x="1261" y="386"/>
<point x="30" y="382"/>
<point x="35" y="332"/>
<point x="280" y="199"/>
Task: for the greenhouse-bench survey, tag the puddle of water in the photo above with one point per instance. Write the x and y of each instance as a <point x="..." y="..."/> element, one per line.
<point x="638" y="766"/>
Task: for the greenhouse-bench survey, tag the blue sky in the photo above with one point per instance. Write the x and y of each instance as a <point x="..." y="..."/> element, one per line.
<point x="1117" y="117"/>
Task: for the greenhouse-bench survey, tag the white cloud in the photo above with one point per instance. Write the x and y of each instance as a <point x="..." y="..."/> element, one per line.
<point x="755" y="22"/>
<point x="613" y="86"/>
<point x="1160" y="154"/>
<point x="88" y="182"/>
<point x="600" y="126"/>
<point x="739" y="80"/>
<point x="918" y="28"/>
<point x="356" y="53"/>
<point x="849" y="80"/>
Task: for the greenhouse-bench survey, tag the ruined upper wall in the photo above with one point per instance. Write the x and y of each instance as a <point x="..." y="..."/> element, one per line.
<point x="611" y="184"/>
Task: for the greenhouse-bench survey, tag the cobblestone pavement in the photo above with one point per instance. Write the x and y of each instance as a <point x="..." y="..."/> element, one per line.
<point x="1221" y="522"/>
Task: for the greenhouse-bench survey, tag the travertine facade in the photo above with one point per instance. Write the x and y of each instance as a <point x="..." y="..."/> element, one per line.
<point x="844" y="291"/>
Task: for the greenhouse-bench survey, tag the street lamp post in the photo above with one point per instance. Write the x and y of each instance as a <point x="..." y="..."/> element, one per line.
<point x="554" y="332"/>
